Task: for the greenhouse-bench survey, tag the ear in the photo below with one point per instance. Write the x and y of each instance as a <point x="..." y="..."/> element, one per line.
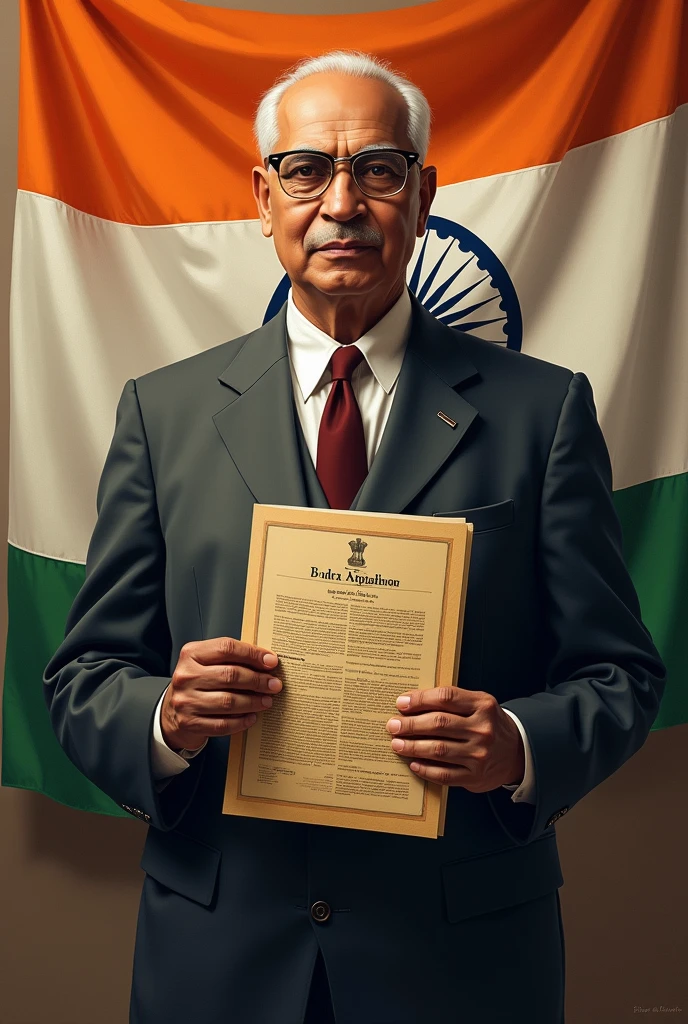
<point x="261" y="193"/>
<point x="427" y="190"/>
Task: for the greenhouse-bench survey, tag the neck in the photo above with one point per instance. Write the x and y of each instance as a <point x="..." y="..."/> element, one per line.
<point x="346" y="318"/>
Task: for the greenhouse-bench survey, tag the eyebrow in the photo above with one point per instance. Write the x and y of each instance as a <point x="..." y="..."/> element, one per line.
<point x="364" y="149"/>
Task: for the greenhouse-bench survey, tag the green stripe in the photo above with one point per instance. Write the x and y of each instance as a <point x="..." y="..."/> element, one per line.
<point x="654" y="518"/>
<point x="40" y="593"/>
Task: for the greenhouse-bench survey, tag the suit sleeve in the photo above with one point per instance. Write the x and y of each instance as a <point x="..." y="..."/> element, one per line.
<point x="103" y="683"/>
<point x="605" y="678"/>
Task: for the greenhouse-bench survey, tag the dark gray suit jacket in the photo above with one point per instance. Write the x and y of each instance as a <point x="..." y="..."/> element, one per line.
<point x="553" y="629"/>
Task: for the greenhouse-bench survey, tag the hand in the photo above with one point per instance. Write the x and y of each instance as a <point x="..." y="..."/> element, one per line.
<point x="217" y="689"/>
<point x="458" y="738"/>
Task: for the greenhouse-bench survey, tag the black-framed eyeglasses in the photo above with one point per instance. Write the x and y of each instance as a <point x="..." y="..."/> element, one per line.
<point x="306" y="173"/>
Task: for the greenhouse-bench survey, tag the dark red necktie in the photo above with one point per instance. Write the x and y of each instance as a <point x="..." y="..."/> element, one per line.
<point x="341" y="463"/>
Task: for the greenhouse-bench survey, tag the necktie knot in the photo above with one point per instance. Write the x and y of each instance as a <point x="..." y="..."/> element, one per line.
<point x="344" y="361"/>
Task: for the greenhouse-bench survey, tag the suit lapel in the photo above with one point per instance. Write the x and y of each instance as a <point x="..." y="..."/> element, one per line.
<point x="416" y="441"/>
<point x="260" y="431"/>
<point x="258" y="424"/>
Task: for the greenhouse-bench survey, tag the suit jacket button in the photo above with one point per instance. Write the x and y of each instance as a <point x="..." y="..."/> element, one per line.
<point x="320" y="911"/>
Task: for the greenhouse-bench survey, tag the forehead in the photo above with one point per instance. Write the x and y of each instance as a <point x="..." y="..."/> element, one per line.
<point x="340" y="113"/>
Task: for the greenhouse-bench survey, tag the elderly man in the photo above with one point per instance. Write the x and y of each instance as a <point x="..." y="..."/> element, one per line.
<point x="335" y="402"/>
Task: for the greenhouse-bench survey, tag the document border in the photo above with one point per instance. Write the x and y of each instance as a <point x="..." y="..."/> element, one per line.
<point x="457" y="534"/>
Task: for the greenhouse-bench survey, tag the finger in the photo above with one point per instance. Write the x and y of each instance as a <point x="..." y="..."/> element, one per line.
<point x="440" y="750"/>
<point x="237" y="677"/>
<point x="444" y="774"/>
<point x="453" y="698"/>
<point x="431" y="723"/>
<point x="228" y="702"/>
<point x="222" y="726"/>
<point x="226" y="649"/>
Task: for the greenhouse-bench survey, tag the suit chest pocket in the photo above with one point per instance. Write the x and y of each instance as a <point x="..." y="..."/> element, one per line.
<point x="485" y="518"/>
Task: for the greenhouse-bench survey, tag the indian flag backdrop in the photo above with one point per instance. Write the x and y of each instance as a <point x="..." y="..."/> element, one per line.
<point x="560" y="228"/>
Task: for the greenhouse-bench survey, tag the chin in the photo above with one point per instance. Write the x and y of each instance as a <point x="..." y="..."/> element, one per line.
<point x="344" y="282"/>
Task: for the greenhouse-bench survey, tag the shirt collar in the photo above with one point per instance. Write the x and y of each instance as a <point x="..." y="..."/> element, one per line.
<point x="310" y="349"/>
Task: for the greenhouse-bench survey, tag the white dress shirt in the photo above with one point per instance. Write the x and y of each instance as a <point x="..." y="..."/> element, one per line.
<point x="373" y="382"/>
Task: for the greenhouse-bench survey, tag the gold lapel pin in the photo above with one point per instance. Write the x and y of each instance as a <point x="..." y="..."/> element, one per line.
<point x="446" y="419"/>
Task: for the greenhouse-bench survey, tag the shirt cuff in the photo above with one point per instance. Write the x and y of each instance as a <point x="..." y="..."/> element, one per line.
<point x="523" y="792"/>
<point x="165" y="761"/>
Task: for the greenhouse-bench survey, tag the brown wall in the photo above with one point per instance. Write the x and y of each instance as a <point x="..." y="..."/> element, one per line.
<point x="70" y="881"/>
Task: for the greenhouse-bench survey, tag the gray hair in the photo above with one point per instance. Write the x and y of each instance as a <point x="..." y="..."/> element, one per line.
<point x="359" y="65"/>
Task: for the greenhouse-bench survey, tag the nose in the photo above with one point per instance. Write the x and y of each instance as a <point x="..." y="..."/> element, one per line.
<point x="343" y="198"/>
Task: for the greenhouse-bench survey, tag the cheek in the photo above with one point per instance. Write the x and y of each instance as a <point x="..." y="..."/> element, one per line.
<point x="399" y="232"/>
<point x="288" y="235"/>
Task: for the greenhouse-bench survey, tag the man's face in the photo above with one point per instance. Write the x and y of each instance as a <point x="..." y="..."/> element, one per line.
<point x="339" y="114"/>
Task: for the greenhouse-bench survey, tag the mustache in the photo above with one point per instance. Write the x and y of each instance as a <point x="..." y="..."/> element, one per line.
<point x="343" y="233"/>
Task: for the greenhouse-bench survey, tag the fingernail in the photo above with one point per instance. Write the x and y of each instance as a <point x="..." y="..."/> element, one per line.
<point x="414" y="766"/>
<point x="270" y="660"/>
<point x="394" y="725"/>
<point x="266" y="701"/>
<point x="403" y="702"/>
<point x="397" y="744"/>
<point x="274" y="685"/>
<point x="251" y="718"/>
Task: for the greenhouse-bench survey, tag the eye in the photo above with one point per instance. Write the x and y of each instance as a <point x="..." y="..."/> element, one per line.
<point x="296" y="170"/>
<point x="382" y="170"/>
<point x="377" y="170"/>
<point x="302" y="167"/>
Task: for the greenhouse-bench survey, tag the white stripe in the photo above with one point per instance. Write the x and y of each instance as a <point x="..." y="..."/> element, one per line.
<point x="93" y="304"/>
<point x="597" y="247"/>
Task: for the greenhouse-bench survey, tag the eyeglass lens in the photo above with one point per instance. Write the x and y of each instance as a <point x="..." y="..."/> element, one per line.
<point x="376" y="174"/>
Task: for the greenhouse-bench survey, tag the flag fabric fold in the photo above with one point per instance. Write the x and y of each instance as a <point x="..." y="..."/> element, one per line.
<point x="560" y="228"/>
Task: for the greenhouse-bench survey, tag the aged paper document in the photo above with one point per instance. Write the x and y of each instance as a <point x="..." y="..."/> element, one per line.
<point x="360" y="607"/>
